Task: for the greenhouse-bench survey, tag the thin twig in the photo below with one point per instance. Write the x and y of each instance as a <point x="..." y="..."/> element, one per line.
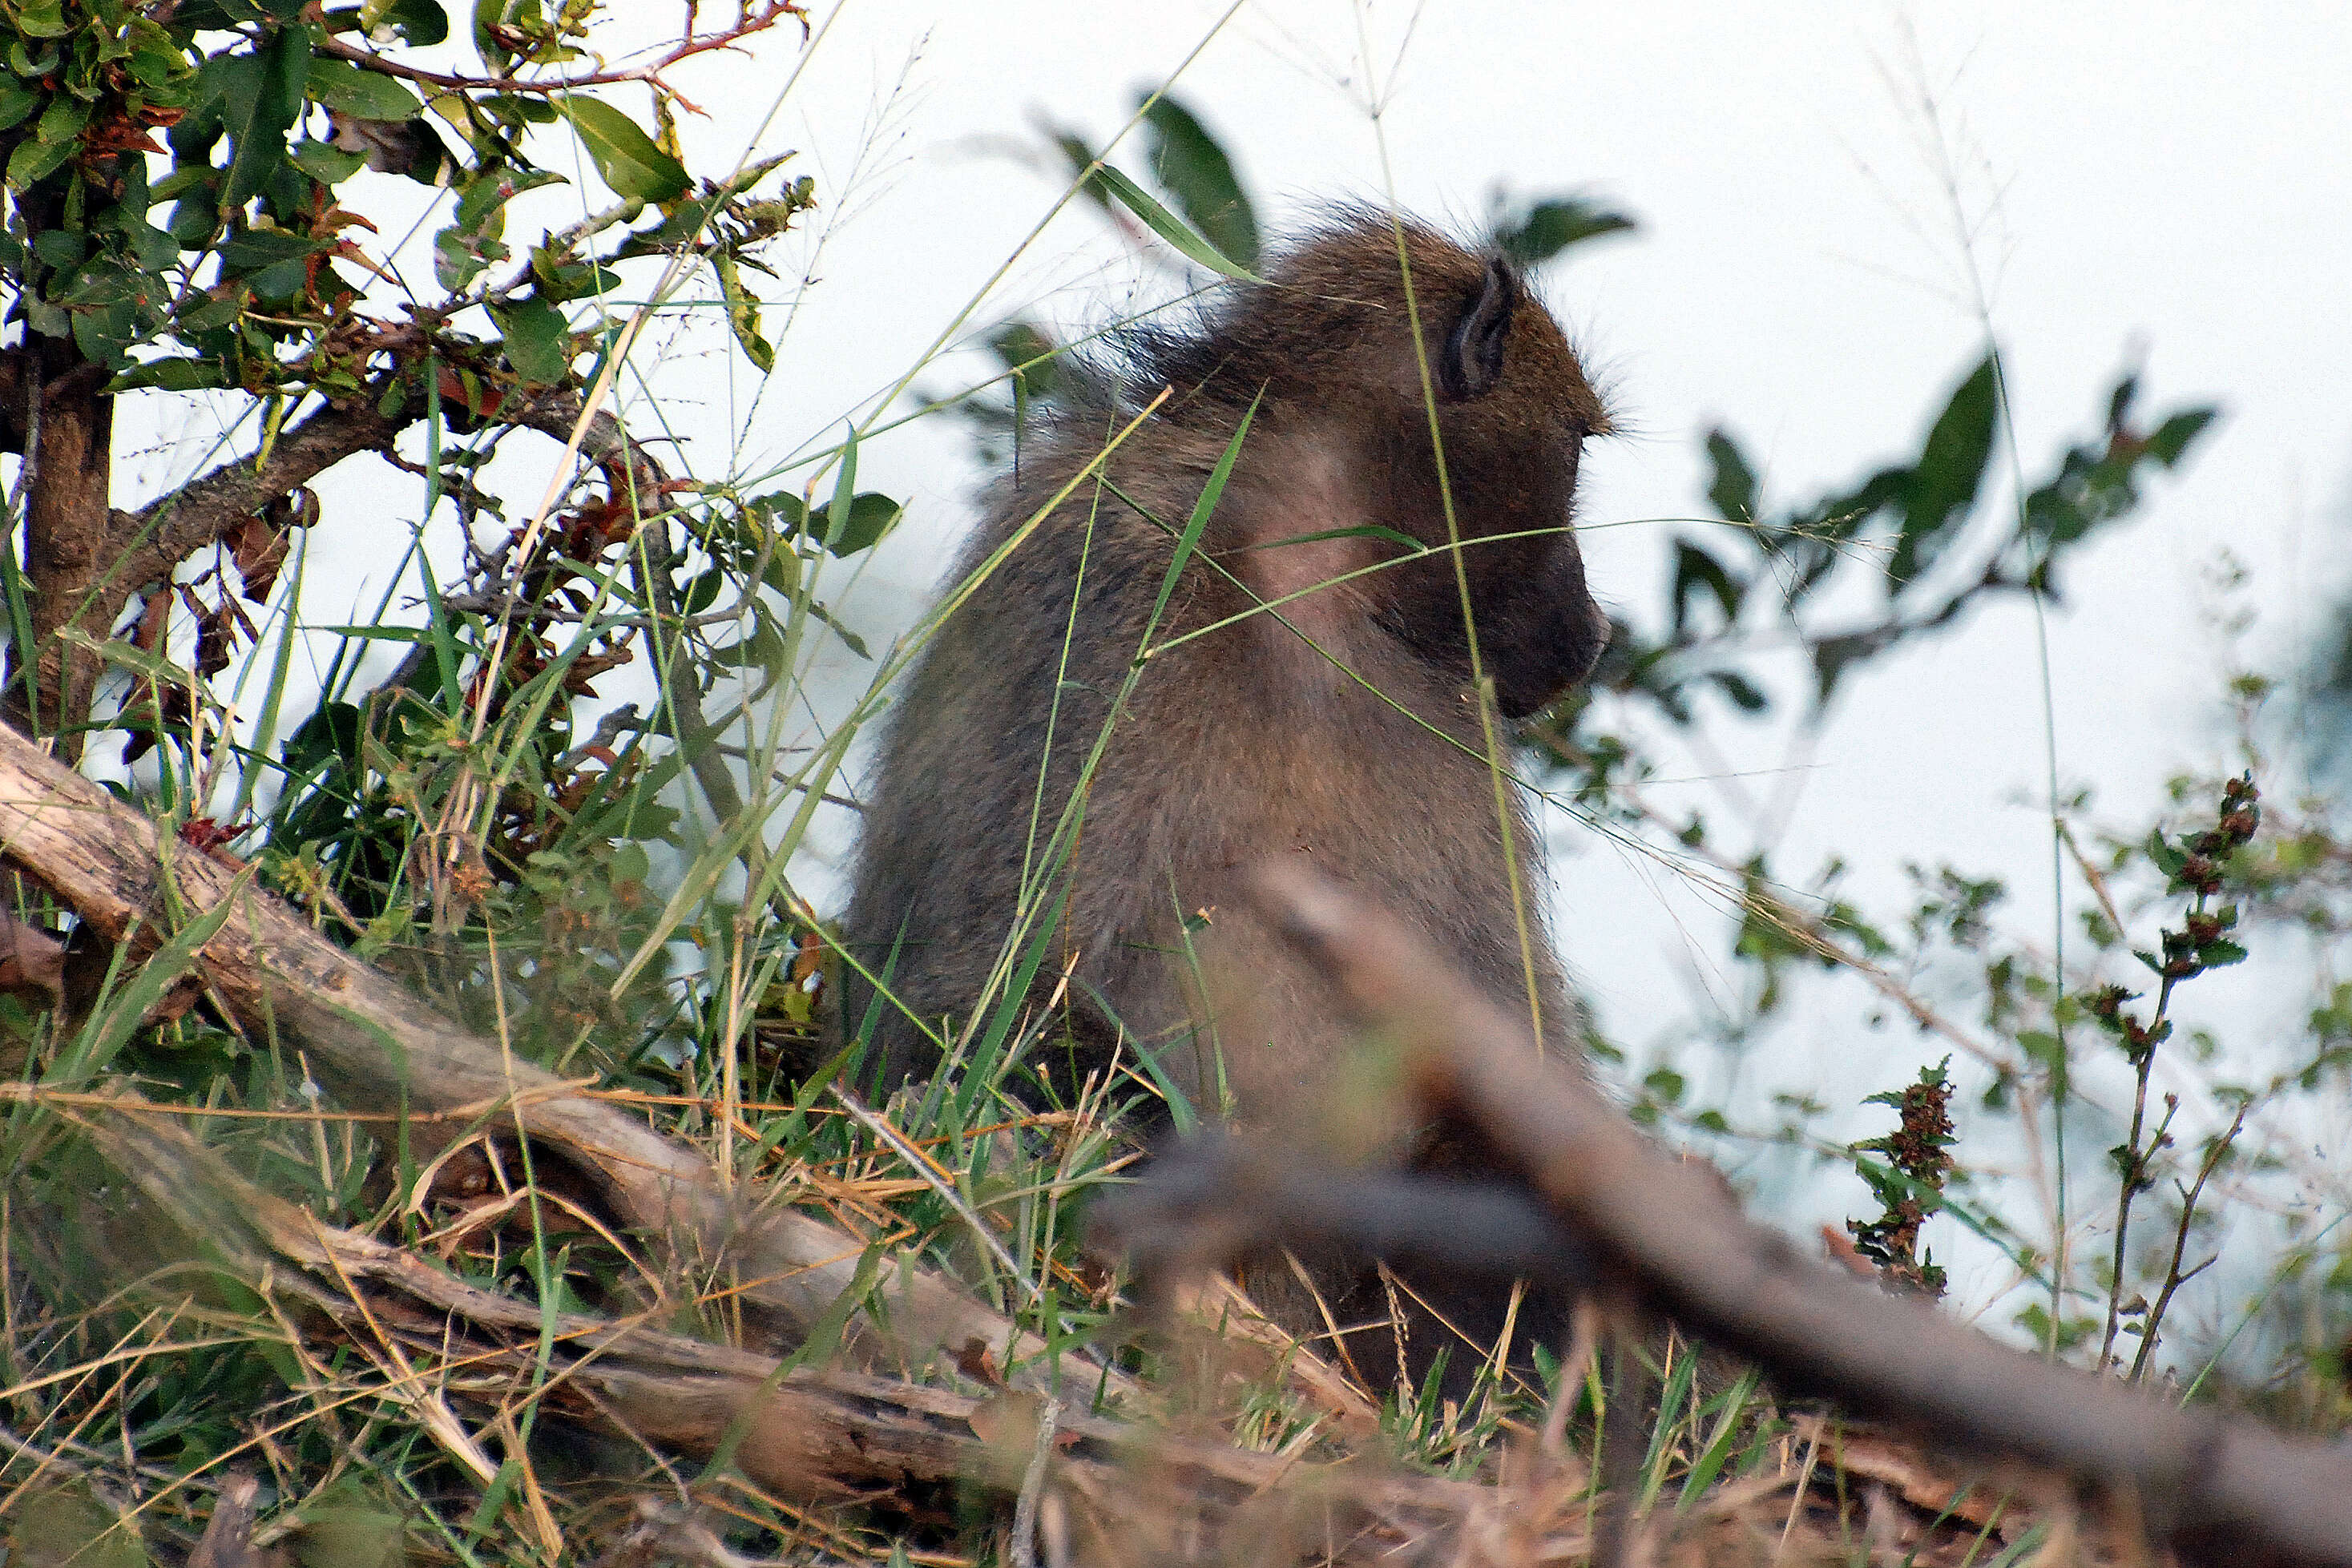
<point x="932" y="1175"/>
<point x="1033" y="1485"/>
<point x="2173" y="1278"/>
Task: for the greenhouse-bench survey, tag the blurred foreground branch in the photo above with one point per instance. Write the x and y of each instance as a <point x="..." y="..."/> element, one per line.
<point x="2217" y="1489"/>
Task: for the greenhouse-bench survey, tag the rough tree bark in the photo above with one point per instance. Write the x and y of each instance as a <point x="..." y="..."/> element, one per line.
<point x="70" y="531"/>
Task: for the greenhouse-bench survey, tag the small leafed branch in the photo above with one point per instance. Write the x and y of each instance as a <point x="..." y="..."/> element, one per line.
<point x="755" y="19"/>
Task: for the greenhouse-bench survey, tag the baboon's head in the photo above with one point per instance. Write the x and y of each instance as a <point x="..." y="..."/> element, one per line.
<point x="1330" y="339"/>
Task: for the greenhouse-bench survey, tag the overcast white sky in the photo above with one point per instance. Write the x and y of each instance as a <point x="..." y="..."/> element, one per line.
<point x="2168" y="185"/>
<point x="2146" y="183"/>
<point x="2161" y="183"/>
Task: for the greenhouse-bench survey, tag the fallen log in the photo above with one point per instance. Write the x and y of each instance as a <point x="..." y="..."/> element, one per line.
<point x="379" y="1045"/>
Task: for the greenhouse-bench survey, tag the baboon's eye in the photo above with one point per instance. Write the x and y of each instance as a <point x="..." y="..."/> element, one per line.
<point x="1473" y="361"/>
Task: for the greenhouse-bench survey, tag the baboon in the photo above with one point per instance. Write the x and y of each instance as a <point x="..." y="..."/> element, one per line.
<point x="1309" y="688"/>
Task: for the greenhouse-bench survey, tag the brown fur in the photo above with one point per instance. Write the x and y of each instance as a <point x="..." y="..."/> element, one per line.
<point x="1249" y="742"/>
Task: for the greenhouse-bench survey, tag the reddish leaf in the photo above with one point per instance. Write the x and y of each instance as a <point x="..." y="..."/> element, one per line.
<point x="209" y="834"/>
<point x="215" y="635"/>
<point x="148" y="719"/>
<point x="468" y="393"/>
<point x="154" y="620"/>
<point x="260" y="542"/>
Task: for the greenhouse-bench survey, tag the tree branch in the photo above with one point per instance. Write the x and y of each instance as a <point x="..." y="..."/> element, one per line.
<point x="204" y="511"/>
<point x="207" y="509"/>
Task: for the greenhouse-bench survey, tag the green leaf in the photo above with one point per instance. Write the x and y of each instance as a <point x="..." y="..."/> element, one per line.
<point x="2042" y="1047"/>
<point x="26" y="65"/>
<point x="1190" y="165"/>
<point x="869" y="517"/>
<point x="56" y="136"/>
<point x="863" y="522"/>
<point x="742" y="311"/>
<point x="257" y="248"/>
<point x="703" y="591"/>
<point x="1733" y="490"/>
<point x="1167" y="225"/>
<point x="1081" y="159"/>
<point x="2173" y="438"/>
<point x="1697" y="571"/>
<point x="1745" y="695"/>
<point x="17" y="103"/>
<point x="41" y="18"/>
<point x="274" y="261"/>
<point x="33" y="161"/>
<point x="460" y="257"/>
<point x="105" y="333"/>
<point x="176" y="375"/>
<point x="213" y="310"/>
<point x="625" y="155"/>
<point x="487" y="193"/>
<point x="418" y="22"/>
<point x="260" y="105"/>
<point x="560" y="281"/>
<point x="363" y="94"/>
<point x="1547" y="228"/>
<point x="1831" y="656"/>
<point x="60" y="248"/>
<point x="159" y="66"/>
<point x="538" y="340"/>
<point x="326" y="163"/>
<point x="1943" y="485"/>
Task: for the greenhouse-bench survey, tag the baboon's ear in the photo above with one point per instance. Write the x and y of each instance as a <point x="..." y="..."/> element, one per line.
<point x="1473" y="361"/>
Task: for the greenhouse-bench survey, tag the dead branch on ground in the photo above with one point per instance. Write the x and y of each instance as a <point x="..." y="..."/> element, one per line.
<point x="377" y="1043"/>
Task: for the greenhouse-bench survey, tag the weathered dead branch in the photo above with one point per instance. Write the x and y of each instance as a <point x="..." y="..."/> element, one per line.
<point x="375" y="1043"/>
<point x="813" y="1436"/>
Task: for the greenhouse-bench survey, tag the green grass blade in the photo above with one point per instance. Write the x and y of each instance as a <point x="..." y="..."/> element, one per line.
<point x="1189" y="538"/>
<point x="1168" y="226"/>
